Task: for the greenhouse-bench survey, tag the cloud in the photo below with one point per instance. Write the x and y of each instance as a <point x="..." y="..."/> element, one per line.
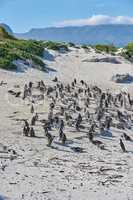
<point x="97" y="20"/>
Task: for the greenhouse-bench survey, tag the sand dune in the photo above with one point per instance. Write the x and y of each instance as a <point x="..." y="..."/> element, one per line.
<point x="38" y="172"/>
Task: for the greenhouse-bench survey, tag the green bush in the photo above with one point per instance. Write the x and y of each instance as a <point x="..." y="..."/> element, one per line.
<point x="106" y="48"/>
<point x="129" y="49"/>
<point x="55" y="45"/>
<point x="128" y="53"/>
<point x="71" y="44"/>
<point x="84" y="46"/>
<point x="6" y="64"/>
<point x="11" y="50"/>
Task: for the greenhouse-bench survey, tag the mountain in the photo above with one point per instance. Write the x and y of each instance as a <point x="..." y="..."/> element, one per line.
<point x="4" y="34"/>
<point x="7" y="28"/>
<point x="104" y="34"/>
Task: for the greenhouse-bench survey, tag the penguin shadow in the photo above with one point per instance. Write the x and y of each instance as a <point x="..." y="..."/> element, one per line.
<point x="11" y="117"/>
<point x="107" y="135"/>
<point x="58" y="149"/>
<point x="64" y="145"/>
<point x="79" y="131"/>
<point x="42" y="113"/>
<point x="81" y="137"/>
<point x="83" y="131"/>
<point x="3" y="198"/>
<point x="18" y="120"/>
<point x="129" y="152"/>
<point x="48" y="56"/>
<point x="129" y="139"/>
<point x="39" y="137"/>
<point x="78" y="150"/>
<point x="74" y="131"/>
<point x="69" y="144"/>
<point x="72" y="149"/>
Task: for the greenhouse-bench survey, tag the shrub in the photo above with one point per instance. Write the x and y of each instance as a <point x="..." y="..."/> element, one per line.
<point x="84" y="46"/>
<point x="55" y="45"/>
<point x="11" y="50"/>
<point x="128" y="52"/>
<point x="71" y="44"/>
<point x="106" y="48"/>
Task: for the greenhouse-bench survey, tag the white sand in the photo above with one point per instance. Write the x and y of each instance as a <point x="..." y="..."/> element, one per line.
<point x="40" y="172"/>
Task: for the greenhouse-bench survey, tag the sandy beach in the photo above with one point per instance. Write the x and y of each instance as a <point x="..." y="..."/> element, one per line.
<point x="37" y="172"/>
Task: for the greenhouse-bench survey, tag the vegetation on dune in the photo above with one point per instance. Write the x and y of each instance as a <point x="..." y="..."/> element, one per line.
<point x="71" y="44"/>
<point x="12" y="49"/>
<point x="105" y="48"/>
<point x="55" y="45"/>
<point x="128" y="52"/>
<point x="84" y="46"/>
<point x="129" y="48"/>
<point x="31" y="51"/>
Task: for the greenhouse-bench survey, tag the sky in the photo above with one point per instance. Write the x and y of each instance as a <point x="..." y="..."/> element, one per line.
<point x="22" y="15"/>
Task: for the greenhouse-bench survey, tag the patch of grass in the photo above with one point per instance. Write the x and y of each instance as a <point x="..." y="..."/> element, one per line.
<point x="105" y="48"/>
<point x="71" y="44"/>
<point x="128" y="53"/>
<point x="31" y="50"/>
<point x="55" y="45"/>
<point x="85" y="46"/>
<point x="11" y="50"/>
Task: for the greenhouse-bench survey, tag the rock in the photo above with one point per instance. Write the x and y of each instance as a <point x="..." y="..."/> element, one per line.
<point x="122" y="78"/>
<point x="111" y="60"/>
<point x="77" y="149"/>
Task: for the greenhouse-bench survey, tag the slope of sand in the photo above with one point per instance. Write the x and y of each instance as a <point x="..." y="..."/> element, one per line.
<point x="58" y="173"/>
<point x="71" y="65"/>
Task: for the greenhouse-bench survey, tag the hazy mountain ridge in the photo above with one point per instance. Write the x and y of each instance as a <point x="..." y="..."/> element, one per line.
<point x="105" y="34"/>
<point x="6" y="27"/>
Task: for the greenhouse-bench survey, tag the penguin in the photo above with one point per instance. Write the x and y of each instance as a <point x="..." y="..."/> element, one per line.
<point x="45" y="127"/>
<point x="90" y="136"/>
<point x="36" y="116"/>
<point x="55" y="79"/>
<point x="30" y="84"/>
<point x="52" y="105"/>
<point x="62" y="110"/>
<point x="18" y="94"/>
<point x="122" y="146"/>
<point x="33" y="121"/>
<point x="63" y="139"/>
<point x="75" y="81"/>
<point x="127" y="137"/>
<point x="60" y="134"/>
<point x="108" y="122"/>
<point x="78" y="122"/>
<point x="62" y="124"/>
<point x="32" y="132"/>
<point x="50" y="139"/>
<point x="82" y="82"/>
<point x="26" y="123"/>
<point x="25" y="131"/>
<point x="32" y="109"/>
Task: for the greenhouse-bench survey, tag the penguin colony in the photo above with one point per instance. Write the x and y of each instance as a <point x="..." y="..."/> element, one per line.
<point x="74" y="105"/>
